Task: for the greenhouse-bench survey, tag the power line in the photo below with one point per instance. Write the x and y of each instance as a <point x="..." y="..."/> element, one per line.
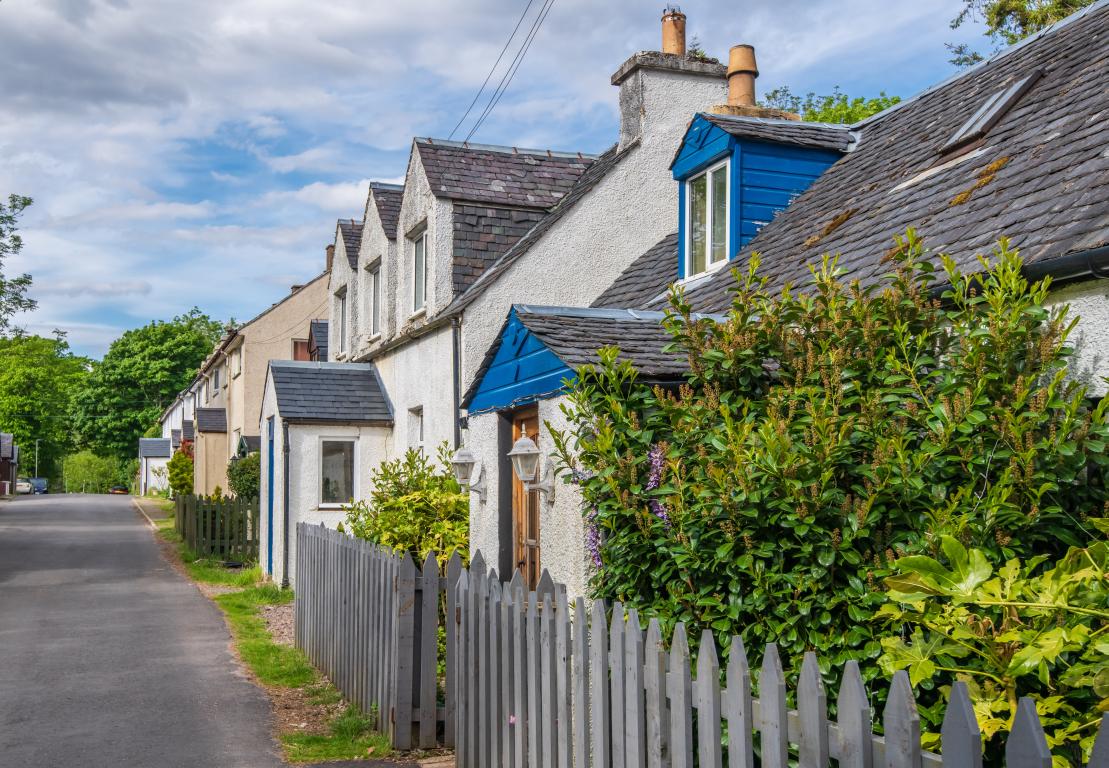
<point x="480" y="90"/>
<point x="506" y="80"/>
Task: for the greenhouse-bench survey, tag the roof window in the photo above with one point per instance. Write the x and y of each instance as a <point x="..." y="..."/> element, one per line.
<point x="989" y="114"/>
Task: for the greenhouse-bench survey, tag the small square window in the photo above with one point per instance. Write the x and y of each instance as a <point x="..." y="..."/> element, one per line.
<point x="336" y="471"/>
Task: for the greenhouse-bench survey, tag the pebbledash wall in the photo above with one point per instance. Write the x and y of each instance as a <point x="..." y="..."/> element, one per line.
<point x="1089" y="301"/>
<point x="371" y="446"/>
<point x="631" y="209"/>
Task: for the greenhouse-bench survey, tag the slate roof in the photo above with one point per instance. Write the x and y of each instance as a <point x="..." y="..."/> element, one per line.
<point x="175" y="439"/>
<point x="645" y="278"/>
<point x="482" y="234"/>
<point x="155" y="448"/>
<point x="597" y="171"/>
<point x="348" y="393"/>
<point x="351" y="231"/>
<point x="252" y="443"/>
<point x="211" y="420"/>
<point x="499" y="175"/>
<point x="574" y="334"/>
<point x="796" y="133"/>
<point x="317" y="335"/>
<point x="1040" y="176"/>
<point x="387" y="198"/>
<point x="187" y="432"/>
<point x="7" y="445"/>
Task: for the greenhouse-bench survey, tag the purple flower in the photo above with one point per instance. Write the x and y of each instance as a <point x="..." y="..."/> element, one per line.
<point x="579" y="476"/>
<point x="657" y="462"/>
<point x="593" y="536"/>
<point x="659" y="510"/>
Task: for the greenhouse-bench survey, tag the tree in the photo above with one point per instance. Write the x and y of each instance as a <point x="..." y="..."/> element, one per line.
<point x="244" y="476"/>
<point x="141" y="374"/>
<point x="38" y="380"/>
<point x="13" y="291"/>
<point x="1009" y="21"/>
<point x="85" y="472"/>
<point x="180" y="468"/>
<point x="836" y="107"/>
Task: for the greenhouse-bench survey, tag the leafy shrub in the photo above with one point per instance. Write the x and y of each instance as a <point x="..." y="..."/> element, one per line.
<point x="415" y="507"/>
<point x="180" y="467"/>
<point x="1029" y="630"/>
<point x="244" y="476"/>
<point x="821" y="436"/>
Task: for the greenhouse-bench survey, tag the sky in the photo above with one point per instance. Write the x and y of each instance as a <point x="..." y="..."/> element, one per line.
<point x="197" y="152"/>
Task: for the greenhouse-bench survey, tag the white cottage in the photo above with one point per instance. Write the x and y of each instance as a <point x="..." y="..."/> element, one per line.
<point x="1012" y="147"/>
<point x="154" y="455"/>
<point x="323" y="426"/>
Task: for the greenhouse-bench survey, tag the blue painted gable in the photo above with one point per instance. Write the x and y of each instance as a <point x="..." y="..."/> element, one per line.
<point x="764" y="178"/>
<point x="523" y="370"/>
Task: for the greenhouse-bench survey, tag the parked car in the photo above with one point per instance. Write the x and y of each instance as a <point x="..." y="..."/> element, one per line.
<point x="23" y="485"/>
<point x="117" y="489"/>
<point x="39" y="485"/>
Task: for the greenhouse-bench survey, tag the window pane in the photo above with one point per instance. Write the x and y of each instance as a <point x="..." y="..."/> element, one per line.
<point x="698" y="224"/>
<point x="419" y="269"/>
<point x="337" y="475"/>
<point x="719" y="214"/>
<point x="375" y="293"/>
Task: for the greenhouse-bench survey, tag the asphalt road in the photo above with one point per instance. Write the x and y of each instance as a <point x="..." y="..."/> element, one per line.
<point x="108" y="657"/>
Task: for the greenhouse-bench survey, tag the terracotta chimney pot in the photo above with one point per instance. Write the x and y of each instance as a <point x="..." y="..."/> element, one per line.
<point x="673" y="31"/>
<point x="742" y="71"/>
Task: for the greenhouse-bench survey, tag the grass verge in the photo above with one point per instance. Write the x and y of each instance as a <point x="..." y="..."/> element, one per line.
<point x="207" y="570"/>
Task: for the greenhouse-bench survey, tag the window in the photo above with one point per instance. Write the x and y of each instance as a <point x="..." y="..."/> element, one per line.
<point x="419" y="272"/>
<point x="341" y="316"/>
<point x="336" y="471"/>
<point x="300" y="350"/>
<point x="236" y="362"/>
<point x="215" y="379"/>
<point x="373" y="298"/>
<point x="416" y="428"/>
<point x="990" y="113"/>
<point x="707" y="221"/>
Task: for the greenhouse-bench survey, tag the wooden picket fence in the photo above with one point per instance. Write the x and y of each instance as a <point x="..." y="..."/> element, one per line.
<point x="369" y="619"/>
<point x="543" y="684"/>
<point x="225" y="528"/>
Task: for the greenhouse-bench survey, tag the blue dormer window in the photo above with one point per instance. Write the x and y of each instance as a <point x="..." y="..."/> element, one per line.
<point x="707" y="223"/>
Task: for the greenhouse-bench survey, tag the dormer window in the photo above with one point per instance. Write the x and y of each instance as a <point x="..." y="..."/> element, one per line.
<point x="707" y="219"/>
<point x="419" y="271"/>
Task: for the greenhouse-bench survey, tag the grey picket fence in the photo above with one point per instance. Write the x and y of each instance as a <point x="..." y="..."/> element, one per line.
<point x="542" y="683"/>
<point x="224" y="527"/>
<point x="370" y="619"/>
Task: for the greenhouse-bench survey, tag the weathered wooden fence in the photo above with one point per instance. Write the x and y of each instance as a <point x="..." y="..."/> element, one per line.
<point x="371" y="621"/>
<point x="545" y="684"/>
<point x="226" y="528"/>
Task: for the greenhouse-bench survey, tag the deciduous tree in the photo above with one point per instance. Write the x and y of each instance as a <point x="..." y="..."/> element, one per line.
<point x="13" y="291"/>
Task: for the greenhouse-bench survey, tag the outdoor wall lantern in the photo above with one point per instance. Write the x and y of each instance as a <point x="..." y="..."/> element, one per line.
<point x="468" y="472"/>
<point x="525" y="463"/>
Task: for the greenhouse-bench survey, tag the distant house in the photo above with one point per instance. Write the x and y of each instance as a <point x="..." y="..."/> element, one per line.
<point x="228" y="387"/>
<point x="317" y="341"/>
<point x="154" y="455"/>
<point x="9" y="463"/>
<point x="1014" y="147"/>
<point x="323" y="425"/>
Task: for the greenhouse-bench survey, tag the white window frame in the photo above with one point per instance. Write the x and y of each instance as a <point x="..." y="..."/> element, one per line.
<point x="419" y="239"/>
<point x="342" y="311"/>
<point x="373" y="299"/>
<point x="710" y="266"/>
<point x="416" y="427"/>
<point x="321" y="504"/>
<point x="215" y="379"/>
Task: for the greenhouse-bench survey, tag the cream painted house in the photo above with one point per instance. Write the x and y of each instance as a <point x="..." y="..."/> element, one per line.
<point x="228" y="389"/>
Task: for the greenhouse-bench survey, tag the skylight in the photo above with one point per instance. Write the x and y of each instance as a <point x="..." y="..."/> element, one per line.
<point x="990" y="113"/>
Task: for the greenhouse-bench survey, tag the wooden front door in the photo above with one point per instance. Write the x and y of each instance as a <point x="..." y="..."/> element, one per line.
<point x="525" y="505"/>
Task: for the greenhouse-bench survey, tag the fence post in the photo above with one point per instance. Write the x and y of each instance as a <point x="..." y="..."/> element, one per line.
<point x="853" y="717"/>
<point x="708" y="703"/>
<point x="737" y="708"/>
<point x="454" y="570"/>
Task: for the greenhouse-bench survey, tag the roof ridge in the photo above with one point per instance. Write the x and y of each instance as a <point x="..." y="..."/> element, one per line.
<point x="1047" y="31"/>
<point x="776" y="121"/>
<point x="604" y="313"/>
<point x="432" y="142"/>
<point x="386" y="186"/>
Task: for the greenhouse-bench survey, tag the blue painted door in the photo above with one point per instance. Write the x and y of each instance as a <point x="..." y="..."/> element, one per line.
<point x="269" y="497"/>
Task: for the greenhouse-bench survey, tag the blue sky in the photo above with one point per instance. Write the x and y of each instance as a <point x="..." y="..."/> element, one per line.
<point x="198" y="152"/>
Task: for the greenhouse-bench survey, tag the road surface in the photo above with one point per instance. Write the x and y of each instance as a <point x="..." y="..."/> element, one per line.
<point x="110" y="658"/>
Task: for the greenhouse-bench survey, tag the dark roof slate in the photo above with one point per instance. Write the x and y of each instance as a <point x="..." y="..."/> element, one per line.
<point x="644" y="279"/>
<point x="387" y="198"/>
<point x="597" y="171"/>
<point x="499" y="175"/>
<point x="187" y="431"/>
<point x="349" y="393"/>
<point x="482" y="234"/>
<point x="252" y="443"/>
<point x="211" y="420"/>
<point x="7" y="445"/>
<point x="351" y="231"/>
<point x="175" y="438"/>
<point x="317" y="337"/>
<point x="796" y="133"/>
<point x="1040" y="176"/>
<point x="155" y="448"/>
